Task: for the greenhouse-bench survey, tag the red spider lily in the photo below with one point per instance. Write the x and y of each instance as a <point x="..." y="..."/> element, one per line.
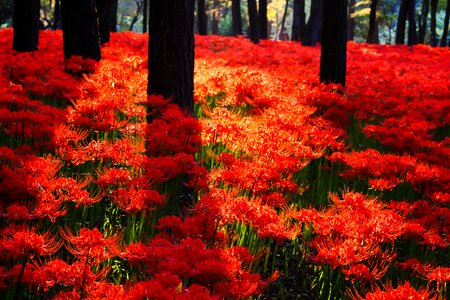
<point x="21" y="242"/>
<point x="90" y="244"/>
<point x="402" y="292"/>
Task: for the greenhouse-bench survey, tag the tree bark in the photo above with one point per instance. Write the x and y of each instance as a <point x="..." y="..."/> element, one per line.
<point x="26" y="25"/>
<point x="215" y="18"/>
<point x="263" y="19"/>
<point x="171" y="51"/>
<point x="433" y="35"/>
<point x="443" y="42"/>
<point x="298" y="23"/>
<point x="283" y="30"/>
<point x="80" y="29"/>
<point x="423" y="21"/>
<point x="57" y="16"/>
<point x="401" y="22"/>
<point x="351" y="20"/>
<point x="113" y="20"/>
<point x="372" y="36"/>
<point x="236" y="15"/>
<point x="145" y="17"/>
<point x="333" y="59"/>
<point x="104" y="12"/>
<point x="253" y="26"/>
<point x="412" y="29"/>
<point x="202" y="20"/>
<point x="314" y="26"/>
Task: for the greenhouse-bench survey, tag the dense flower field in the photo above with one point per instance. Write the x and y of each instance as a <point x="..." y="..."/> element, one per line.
<point x="282" y="188"/>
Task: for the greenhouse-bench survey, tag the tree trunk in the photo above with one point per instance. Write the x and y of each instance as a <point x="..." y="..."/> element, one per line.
<point x="253" y="26"/>
<point x="104" y="12"/>
<point x="236" y="15"/>
<point x="202" y="20"/>
<point x="401" y="22"/>
<point x="351" y="20"/>
<point x="171" y="51"/>
<point x="423" y="21"/>
<point x="283" y="31"/>
<point x="412" y="29"/>
<point x="263" y="19"/>
<point x="57" y="16"/>
<point x="445" y="31"/>
<point x="314" y="26"/>
<point x="372" y="36"/>
<point x="26" y="25"/>
<point x="215" y="18"/>
<point x="433" y="35"/>
<point x="113" y="20"/>
<point x="145" y="17"/>
<point x="334" y="42"/>
<point x="80" y="29"/>
<point x="298" y="24"/>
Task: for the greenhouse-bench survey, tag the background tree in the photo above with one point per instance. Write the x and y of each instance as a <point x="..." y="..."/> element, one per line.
<point x="423" y="21"/>
<point x="215" y="17"/>
<point x="144" y="16"/>
<point x="80" y="29"/>
<point x="351" y="20"/>
<point x="105" y="14"/>
<point x="333" y="58"/>
<point x="171" y="51"/>
<point x="202" y="19"/>
<point x="57" y="15"/>
<point x="314" y="26"/>
<point x="6" y="10"/>
<point x="236" y="17"/>
<point x="433" y="35"/>
<point x="26" y="25"/>
<point x="406" y="12"/>
<point x="253" y="20"/>
<point x="299" y="20"/>
<point x="412" y="29"/>
<point x="372" y="36"/>
<point x="263" y="19"/>
<point x="443" y="42"/>
<point x="283" y="31"/>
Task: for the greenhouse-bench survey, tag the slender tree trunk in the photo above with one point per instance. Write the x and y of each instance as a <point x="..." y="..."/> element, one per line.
<point x="171" y="51"/>
<point x="372" y="36"/>
<point x="263" y="19"/>
<point x="145" y="16"/>
<point x="236" y="15"/>
<point x="298" y="24"/>
<point x="412" y="29"/>
<point x="334" y="42"/>
<point x="254" y="25"/>
<point x="104" y="12"/>
<point x="351" y="20"/>
<point x="113" y="20"/>
<point x="283" y="21"/>
<point x="80" y="29"/>
<point x="136" y="16"/>
<point x="443" y="42"/>
<point x="215" y="18"/>
<point x="202" y="20"/>
<point x="433" y="35"/>
<point x="401" y="22"/>
<point x="423" y="21"/>
<point x="57" y="16"/>
<point x="26" y="25"/>
<point x="314" y="26"/>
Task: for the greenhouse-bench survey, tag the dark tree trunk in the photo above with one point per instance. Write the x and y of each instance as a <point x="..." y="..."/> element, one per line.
<point x="202" y="20"/>
<point x="412" y="29"/>
<point x="351" y="20"/>
<point x="283" y="31"/>
<point x="401" y="22"/>
<point x="236" y="15"/>
<point x="215" y="18"/>
<point x="171" y="51"/>
<point x="314" y="26"/>
<point x="298" y="23"/>
<point x="423" y="21"/>
<point x="372" y="36"/>
<point x="445" y="31"/>
<point x="263" y="19"/>
<point x="145" y="17"/>
<point x="104" y="12"/>
<point x="80" y="29"/>
<point x="57" y="16"/>
<point x="433" y="35"/>
<point x="333" y="59"/>
<point x="253" y="26"/>
<point x="113" y="20"/>
<point x="26" y="25"/>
